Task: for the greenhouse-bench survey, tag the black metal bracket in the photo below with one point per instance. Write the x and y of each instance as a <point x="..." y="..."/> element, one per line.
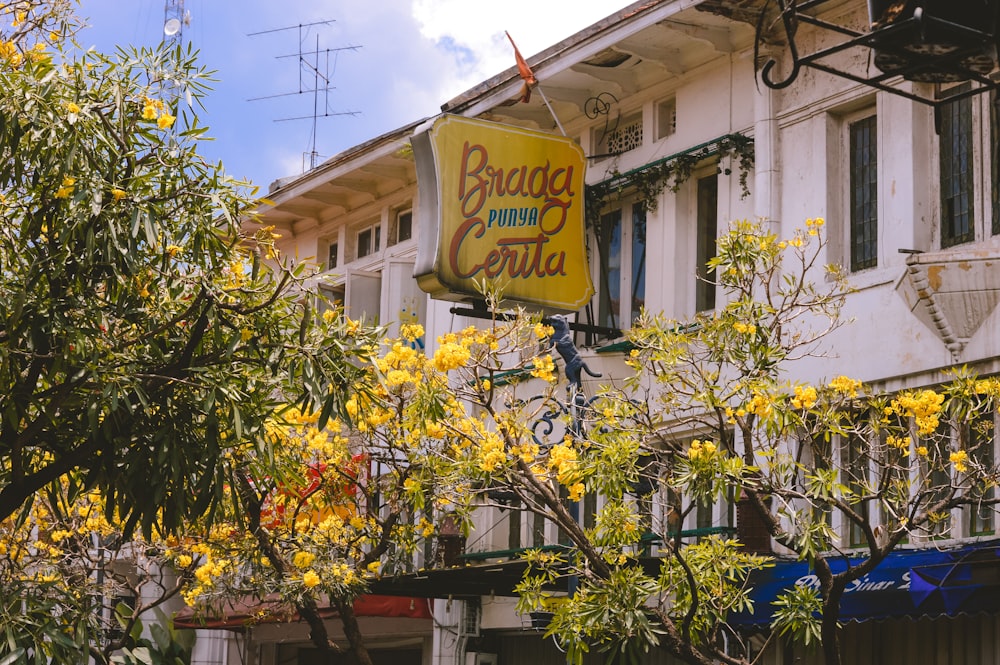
<point x="472" y="313"/>
<point x="897" y="61"/>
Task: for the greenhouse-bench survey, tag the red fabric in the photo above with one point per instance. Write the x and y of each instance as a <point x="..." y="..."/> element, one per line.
<point x="373" y="605"/>
<point x="524" y="70"/>
<point x="241" y="613"/>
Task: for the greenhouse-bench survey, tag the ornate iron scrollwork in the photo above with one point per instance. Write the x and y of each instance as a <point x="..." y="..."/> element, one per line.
<point x="913" y="39"/>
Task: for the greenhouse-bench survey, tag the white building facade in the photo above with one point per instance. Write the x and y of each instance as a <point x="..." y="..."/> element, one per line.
<point x="912" y="214"/>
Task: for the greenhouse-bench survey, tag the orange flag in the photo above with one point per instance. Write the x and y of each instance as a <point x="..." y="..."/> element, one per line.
<point x="525" y="71"/>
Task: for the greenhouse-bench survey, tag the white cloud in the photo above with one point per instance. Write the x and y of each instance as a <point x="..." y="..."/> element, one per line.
<point x="478" y="28"/>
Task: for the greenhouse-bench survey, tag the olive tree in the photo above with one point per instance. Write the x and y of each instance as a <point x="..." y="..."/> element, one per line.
<point x="145" y="339"/>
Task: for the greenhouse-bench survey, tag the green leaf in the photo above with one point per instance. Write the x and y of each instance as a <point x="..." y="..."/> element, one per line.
<point x="14" y="656"/>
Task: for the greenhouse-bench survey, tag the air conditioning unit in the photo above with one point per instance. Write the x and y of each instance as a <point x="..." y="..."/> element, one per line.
<point x="480" y="658"/>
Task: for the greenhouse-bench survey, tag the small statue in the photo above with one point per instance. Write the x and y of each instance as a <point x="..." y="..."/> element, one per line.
<point x="562" y="340"/>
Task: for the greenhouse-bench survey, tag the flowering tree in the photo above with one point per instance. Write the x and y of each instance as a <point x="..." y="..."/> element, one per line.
<point x="710" y="415"/>
<point x="80" y="589"/>
<point x="319" y="518"/>
<point x="826" y="466"/>
<point x="144" y="339"/>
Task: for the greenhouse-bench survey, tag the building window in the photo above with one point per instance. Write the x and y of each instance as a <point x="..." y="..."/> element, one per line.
<point x="956" y="172"/>
<point x="331" y="255"/>
<point x="981" y="445"/>
<point x="619" y="138"/>
<point x="707" y="232"/>
<point x="369" y="240"/>
<point x="404" y="226"/>
<point x="864" y="193"/>
<point x="938" y="477"/>
<point x="994" y="140"/>
<point x="621" y="249"/>
<point x="820" y="449"/>
<point x="666" y="118"/>
<point x="855" y="467"/>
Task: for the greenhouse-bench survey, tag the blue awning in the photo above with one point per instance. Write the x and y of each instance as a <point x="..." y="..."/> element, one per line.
<point x="907" y="583"/>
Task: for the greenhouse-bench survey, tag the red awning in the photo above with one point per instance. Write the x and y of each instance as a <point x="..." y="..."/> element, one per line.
<point x="249" y="611"/>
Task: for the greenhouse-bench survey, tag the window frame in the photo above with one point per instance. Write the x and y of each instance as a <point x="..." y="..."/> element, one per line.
<point x="862" y="253"/>
<point x="400" y="215"/>
<point x="666" y="118"/>
<point x="332" y="255"/>
<point x="373" y="245"/>
<point x="633" y="220"/>
<point x="987" y="455"/>
<point x="984" y="204"/>
<point x="956" y="171"/>
<point x="993" y="139"/>
<point x="706" y="214"/>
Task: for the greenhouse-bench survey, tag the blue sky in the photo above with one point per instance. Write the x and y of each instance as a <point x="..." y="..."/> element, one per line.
<point x="413" y="55"/>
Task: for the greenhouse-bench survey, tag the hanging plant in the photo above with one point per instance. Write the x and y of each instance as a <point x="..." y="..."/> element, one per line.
<point x="649" y="181"/>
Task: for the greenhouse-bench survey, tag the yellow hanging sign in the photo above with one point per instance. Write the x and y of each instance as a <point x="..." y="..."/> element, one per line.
<point x="504" y="204"/>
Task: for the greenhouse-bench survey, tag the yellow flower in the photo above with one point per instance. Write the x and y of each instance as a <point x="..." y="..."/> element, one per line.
<point x="310" y="579"/>
<point x="694" y="452"/>
<point x="374" y="566"/>
<point x="149" y="112"/>
<point x="68" y="184"/>
<point x="563" y="460"/>
<point x="450" y="356"/>
<point x="542" y="331"/>
<point x="576" y="491"/>
<point x="303" y="559"/>
<point x="411" y="332"/>
<point x="759" y="404"/>
<point x="805" y="397"/>
<point x="922" y="451"/>
<point x="846" y="386"/>
<point x="924" y="406"/>
<point x="491" y="452"/>
<point x="744" y="328"/>
<point x="117" y="194"/>
<point x="544" y="368"/>
<point x="899" y="442"/>
<point x="959" y="459"/>
<point x="165" y="121"/>
<point x="701" y="449"/>
<point x="73" y="107"/>
<point x="183" y="561"/>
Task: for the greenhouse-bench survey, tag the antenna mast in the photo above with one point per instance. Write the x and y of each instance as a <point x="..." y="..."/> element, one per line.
<point x="174" y="20"/>
<point x="319" y="66"/>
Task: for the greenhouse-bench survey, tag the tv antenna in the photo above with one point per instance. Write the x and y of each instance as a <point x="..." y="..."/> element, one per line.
<point x="316" y="68"/>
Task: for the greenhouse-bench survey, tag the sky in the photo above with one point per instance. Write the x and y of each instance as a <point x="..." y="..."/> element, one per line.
<point x="411" y="57"/>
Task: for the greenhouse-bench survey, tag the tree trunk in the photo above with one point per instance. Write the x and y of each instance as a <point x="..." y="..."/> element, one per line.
<point x="353" y="631"/>
<point x="831" y="589"/>
<point x="830" y="630"/>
